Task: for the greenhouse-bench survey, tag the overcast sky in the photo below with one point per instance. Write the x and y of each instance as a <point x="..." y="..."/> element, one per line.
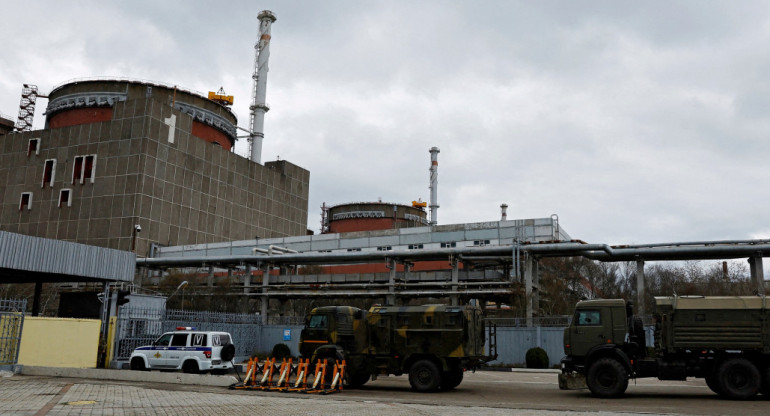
<point x="634" y="122"/>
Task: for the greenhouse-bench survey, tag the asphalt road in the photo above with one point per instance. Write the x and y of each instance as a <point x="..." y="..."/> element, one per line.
<point x="487" y="392"/>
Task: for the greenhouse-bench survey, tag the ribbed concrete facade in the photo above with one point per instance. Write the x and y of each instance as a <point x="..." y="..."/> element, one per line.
<point x="92" y="182"/>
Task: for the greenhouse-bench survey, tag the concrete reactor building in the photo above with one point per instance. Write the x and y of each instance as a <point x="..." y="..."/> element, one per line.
<point x="129" y="164"/>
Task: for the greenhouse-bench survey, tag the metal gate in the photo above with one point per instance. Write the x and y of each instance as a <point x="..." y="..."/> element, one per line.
<point x="137" y="326"/>
<point x="11" y="325"/>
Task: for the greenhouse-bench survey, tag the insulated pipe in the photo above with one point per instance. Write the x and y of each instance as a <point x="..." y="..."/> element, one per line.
<point x="601" y="252"/>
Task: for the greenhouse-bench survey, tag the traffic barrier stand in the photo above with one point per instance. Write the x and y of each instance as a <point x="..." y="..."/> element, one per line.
<point x="318" y="378"/>
<point x="251" y="368"/>
<point x="339" y="375"/>
<point x="301" y="371"/>
<point x="267" y="375"/>
<point x="285" y="371"/>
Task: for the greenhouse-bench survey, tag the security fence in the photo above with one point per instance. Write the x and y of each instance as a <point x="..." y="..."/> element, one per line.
<point x="137" y="326"/>
<point x="11" y="325"/>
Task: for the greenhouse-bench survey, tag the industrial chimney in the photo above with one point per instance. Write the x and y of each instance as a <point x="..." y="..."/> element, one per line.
<point x="433" y="184"/>
<point x="258" y="106"/>
<point x="504" y="212"/>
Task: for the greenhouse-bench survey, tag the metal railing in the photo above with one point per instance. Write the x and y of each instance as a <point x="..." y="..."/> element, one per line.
<point x="11" y="325"/>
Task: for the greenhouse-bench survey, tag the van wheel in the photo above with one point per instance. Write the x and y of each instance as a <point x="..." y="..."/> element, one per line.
<point x="227" y="353"/>
<point x="738" y="378"/>
<point x="190" y="367"/>
<point x="424" y="376"/>
<point x="607" y="378"/>
<point x="137" y="364"/>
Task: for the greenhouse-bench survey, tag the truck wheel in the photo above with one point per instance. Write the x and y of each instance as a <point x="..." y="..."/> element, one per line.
<point x="711" y="381"/>
<point x="607" y="378"/>
<point x="738" y="378"/>
<point x="355" y="380"/>
<point x="190" y="367"/>
<point x="137" y="364"/>
<point x="451" y="378"/>
<point x="424" y="376"/>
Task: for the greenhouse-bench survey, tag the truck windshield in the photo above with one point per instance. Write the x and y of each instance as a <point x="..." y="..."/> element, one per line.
<point x="588" y="317"/>
<point x="317" y="321"/>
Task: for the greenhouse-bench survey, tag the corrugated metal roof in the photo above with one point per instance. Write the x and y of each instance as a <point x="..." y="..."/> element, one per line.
<point x="62" y="260"/>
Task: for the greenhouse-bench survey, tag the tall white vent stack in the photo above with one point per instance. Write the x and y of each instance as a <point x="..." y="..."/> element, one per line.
<point x="258" y="106"/>
<point x="434" y="185"/>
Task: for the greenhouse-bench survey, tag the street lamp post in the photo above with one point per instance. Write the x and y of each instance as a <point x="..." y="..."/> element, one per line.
<point x="181" y="286"/>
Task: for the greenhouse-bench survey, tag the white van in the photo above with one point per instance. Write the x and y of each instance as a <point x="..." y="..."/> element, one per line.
<point x="188" y="350"/>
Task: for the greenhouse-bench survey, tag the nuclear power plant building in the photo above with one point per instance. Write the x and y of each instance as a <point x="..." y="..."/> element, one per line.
<point x="116" y="154"/>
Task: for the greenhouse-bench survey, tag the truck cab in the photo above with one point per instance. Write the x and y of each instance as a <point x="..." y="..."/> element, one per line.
<point x="331" y="330"/>
<point x="723" y="339"/>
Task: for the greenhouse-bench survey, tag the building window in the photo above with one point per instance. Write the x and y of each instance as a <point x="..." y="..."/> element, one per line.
<point x="33" y="147"/>
<point x="384" y="248"/>
<point x="354" y="249"/>
<point x="481" y="242"/>
<point x="65" y="198"/>
<point x="49" y="172"/>
<point x="83" y="169"/>
<point x="26" y="201"/>
<point x="449" y="245"/>
<point x="415" y="246"/>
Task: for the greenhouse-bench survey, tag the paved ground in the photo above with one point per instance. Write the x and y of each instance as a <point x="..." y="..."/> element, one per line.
<point x="490" y="393"/>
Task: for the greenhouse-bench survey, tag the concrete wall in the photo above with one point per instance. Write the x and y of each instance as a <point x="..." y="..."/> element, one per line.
<point x="59" y="342"/>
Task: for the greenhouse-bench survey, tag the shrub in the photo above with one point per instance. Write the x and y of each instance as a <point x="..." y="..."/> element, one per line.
<point x="537" y="358"/>
<point x="281" y="351"/>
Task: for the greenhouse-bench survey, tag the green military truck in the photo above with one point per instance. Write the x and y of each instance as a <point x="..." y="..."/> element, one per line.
<point x="725" y="340"/>
<point x="434" y="344"/>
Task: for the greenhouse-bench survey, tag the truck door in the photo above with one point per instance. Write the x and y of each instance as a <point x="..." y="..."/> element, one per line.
<point x="381" y="335"/>
<point x="590" y="327"/>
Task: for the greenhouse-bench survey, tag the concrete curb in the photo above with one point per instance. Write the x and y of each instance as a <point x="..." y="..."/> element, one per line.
<point x="128" y="375"/>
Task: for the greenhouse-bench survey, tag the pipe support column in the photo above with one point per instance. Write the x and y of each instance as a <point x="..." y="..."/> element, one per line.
<point x="529" y="289"/>
<point x="454" y="298"/>
<point x="391" y="298"/>
<point x="640" y="292"/>
<point x="265" y="300"/>
<point x="757" y="273"/>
